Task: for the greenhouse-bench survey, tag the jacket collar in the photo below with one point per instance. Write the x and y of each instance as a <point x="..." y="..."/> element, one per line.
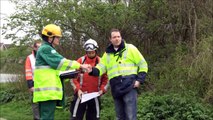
<point x="34" y="53"/>
<point x="47" y="43"/>
<point x="110" y="48"/>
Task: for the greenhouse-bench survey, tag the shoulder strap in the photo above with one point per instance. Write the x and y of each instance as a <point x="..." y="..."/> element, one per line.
<point x="96" y="61"/>
<point x="83" y="59"/>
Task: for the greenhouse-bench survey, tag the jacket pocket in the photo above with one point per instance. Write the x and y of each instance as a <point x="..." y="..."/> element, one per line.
<point x="120" y="87"/>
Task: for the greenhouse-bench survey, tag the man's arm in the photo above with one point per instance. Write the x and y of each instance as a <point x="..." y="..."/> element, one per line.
<point x="140" y="62"/>
<point x="94" y="71"/>
<point x="141" y="77"/>
<point x="28" y="73"/>
<point x="104" y="83"/>
<point x="74" y="82"/>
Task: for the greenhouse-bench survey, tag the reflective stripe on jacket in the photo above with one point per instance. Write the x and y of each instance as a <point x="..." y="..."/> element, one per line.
<point x="29" y="66"/>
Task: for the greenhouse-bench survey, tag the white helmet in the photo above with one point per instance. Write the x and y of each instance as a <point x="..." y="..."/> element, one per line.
<point x="90" y="45"/>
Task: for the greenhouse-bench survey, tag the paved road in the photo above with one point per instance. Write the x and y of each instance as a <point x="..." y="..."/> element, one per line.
<point x="2" y="119"/>
<point x="8" y="78"/>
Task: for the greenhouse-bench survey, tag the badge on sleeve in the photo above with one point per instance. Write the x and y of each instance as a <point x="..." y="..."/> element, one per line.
<point x="53" y="51"/>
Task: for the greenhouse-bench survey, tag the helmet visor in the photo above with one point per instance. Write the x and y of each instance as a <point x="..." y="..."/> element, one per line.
<point x="90" y="47"/>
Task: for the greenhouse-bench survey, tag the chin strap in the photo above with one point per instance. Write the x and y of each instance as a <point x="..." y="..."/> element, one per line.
<point x="52" y="40"/>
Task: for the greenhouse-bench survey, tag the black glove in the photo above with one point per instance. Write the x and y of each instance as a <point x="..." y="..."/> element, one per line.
<point x="30" y="83"/>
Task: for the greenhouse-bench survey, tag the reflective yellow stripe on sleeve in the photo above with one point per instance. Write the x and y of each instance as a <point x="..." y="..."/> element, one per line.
<point x="143" y="67"/>
<point x="101" y="68"/>
<point x="66" y="64"/>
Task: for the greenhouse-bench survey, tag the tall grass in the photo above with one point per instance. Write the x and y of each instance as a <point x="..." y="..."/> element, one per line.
<point x="200" y="73"/>
<point x="180" y="71"/>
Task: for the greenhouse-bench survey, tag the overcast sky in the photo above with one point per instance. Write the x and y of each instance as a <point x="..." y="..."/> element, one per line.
<point x="6" y="9"/>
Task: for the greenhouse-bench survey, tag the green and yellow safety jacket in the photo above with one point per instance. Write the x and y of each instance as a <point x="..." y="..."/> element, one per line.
<point x="47" y="84"/>
<point x="123" y="67"/>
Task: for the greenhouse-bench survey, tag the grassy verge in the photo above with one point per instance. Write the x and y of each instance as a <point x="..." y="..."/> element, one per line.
<point x="21" y="110"/>
<point x="150" y="107"/>
<point x="15" y="105"/>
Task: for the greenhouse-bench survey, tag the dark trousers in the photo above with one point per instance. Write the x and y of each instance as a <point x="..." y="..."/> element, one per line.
<point x="47" y="110"/>
<point x="35" y="108"/>
<point x="91" y="108"/>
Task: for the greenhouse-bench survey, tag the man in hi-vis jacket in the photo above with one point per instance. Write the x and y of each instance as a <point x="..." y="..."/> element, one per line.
<point x="47" y="84"/>
<point x="126" y="69"/>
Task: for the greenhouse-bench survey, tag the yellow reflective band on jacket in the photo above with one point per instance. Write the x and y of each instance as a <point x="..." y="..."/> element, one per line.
<point x="66" y="64"/>
<point x="48" y="88"/>
<point x="47" y="84"/>
<point x="102" y="68"/>
<point x="122" y="69"/>
<point x="121" y="65"/>
<point x="130" y="62"/>
<point x="143" y="67"/>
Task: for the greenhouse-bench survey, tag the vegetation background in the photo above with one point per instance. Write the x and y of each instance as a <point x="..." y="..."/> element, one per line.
<point x="174" y="36"/>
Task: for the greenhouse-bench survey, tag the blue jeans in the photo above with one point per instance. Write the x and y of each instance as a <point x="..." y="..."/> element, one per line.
<point x="126" y="106"/>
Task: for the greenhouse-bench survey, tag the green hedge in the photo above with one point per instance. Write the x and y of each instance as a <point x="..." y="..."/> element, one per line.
<point x="172" y="107"/>
<point x="150" y="106"/>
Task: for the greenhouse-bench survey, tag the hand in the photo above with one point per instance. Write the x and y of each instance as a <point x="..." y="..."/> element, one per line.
<point x="80" y="93"/>
<point x="31" y="89"/>
<point x="100" y="92"/>
<point x="137" y="84"/>
<point x="90" y="69"/>
<point x="86" y="67"/>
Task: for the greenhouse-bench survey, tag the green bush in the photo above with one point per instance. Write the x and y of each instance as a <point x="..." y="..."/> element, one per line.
<point x="6" y="96"/>
<point x="172" y="107"/>
<point x="13" y="95"/>
<point x="14" y="91"/>
<point x="107" y="107"/>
